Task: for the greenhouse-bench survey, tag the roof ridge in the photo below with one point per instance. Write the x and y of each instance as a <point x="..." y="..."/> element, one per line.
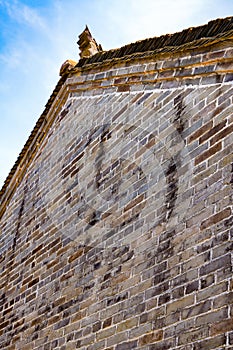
<point x="211" y="29"/>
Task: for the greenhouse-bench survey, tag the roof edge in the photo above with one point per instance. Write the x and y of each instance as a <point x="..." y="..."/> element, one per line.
<point x="207" y="31"/>
<point x="166" y="51"/>
<point x="33" y="142"/>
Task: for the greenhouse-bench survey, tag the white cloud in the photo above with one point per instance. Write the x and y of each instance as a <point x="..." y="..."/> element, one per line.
<point x="23" y="13"/>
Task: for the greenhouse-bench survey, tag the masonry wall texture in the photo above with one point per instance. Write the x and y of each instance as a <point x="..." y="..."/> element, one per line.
<point x="116" y="229"/>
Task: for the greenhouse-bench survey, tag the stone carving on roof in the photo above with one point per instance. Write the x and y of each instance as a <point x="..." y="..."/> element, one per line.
<point x="67" y="66"/>
<point x="87" y="44"/>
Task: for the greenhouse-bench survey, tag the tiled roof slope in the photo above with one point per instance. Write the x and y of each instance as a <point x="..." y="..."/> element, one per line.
<point x="219" y="28"/>
<point x="210" y="30"/>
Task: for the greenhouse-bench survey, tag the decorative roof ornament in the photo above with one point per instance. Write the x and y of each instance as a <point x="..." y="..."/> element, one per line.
<point x="87" y="44"/>
<point x="67" y="66"/>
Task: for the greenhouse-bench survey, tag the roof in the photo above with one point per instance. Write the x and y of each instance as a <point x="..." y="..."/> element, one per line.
<point x="219" y="28"/>
<point x="209" y="30"/>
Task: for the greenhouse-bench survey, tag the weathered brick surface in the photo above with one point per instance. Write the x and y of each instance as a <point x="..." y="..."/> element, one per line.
<point x="119" y="236"/>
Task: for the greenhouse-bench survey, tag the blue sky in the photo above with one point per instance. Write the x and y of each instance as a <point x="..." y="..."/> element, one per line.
<point x="37" y="36"/>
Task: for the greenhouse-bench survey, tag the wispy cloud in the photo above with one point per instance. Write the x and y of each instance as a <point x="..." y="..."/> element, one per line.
<point x="22" y="13"/>
<point x="12" y="60"/>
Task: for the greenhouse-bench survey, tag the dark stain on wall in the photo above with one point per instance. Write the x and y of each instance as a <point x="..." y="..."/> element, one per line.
<point x="21" y="209"/>
<point x="172" y="187"/>
<point x="231" y="181"/>
<point x="3" y="297"/>
<point x="64" y="112"/>
<point x="94" y="218"/>
<point x="104" y="136"/>
<point x="178" y="120"/>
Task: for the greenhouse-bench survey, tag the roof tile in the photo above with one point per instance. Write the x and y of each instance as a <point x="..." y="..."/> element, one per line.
<point x="209" y="30"/>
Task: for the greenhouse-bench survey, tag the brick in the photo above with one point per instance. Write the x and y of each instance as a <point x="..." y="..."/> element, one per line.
<point x="191" y="287"/>
<point x="200" y="131"/>
<point x="196" y="309"/>
<point x="221" y="327"/>
<point x="210" y="152"/>
<point x="76" y="255"/>
<point x="151" y="338"/>
<point x="163" y="345"/>
<point x="201" y="214"/>
<point x="180" y="304"/>
<point x="224" y="97"/>
<point x="193" y="335"/>
<point x="212" y="289"/>
<point x="62" y="323"/>
<point x="222" y="262"/>
<point x="214" y="219"/>
<point x="212" y="79"/>
<point x="183" y="72"/>
<point x="219" y="112"/>
<point x="204" y="69"/>
<point x="131" y="323"/>
<point x="221" y="300"/>
<point x="107" y="332"/>
<point x="211" y="317"/>
<point x="231" y="338"/>
<point x="178" y="292"/>
<point x="96" y="326"/>
<point x="33" y="282"/>
<point x="214" y="54"/>
<point x="210" y="344"/>
<point x="123" y="88"/>
<point x="127" y="345"/>
<point x="166" y="73"/>
<point x="225" y="66"/>
<point x="171" y="63"/>
<point x="190" y="60"/>
<point x="222" y="134"/>
<point x="228" y="77"/>
<point x="207" y="281"/>
<point x="212" y="131"/>
<point x="196" y="261"/>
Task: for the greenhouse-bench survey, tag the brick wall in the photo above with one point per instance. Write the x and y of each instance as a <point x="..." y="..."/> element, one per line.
<point x="119" y="235"/>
